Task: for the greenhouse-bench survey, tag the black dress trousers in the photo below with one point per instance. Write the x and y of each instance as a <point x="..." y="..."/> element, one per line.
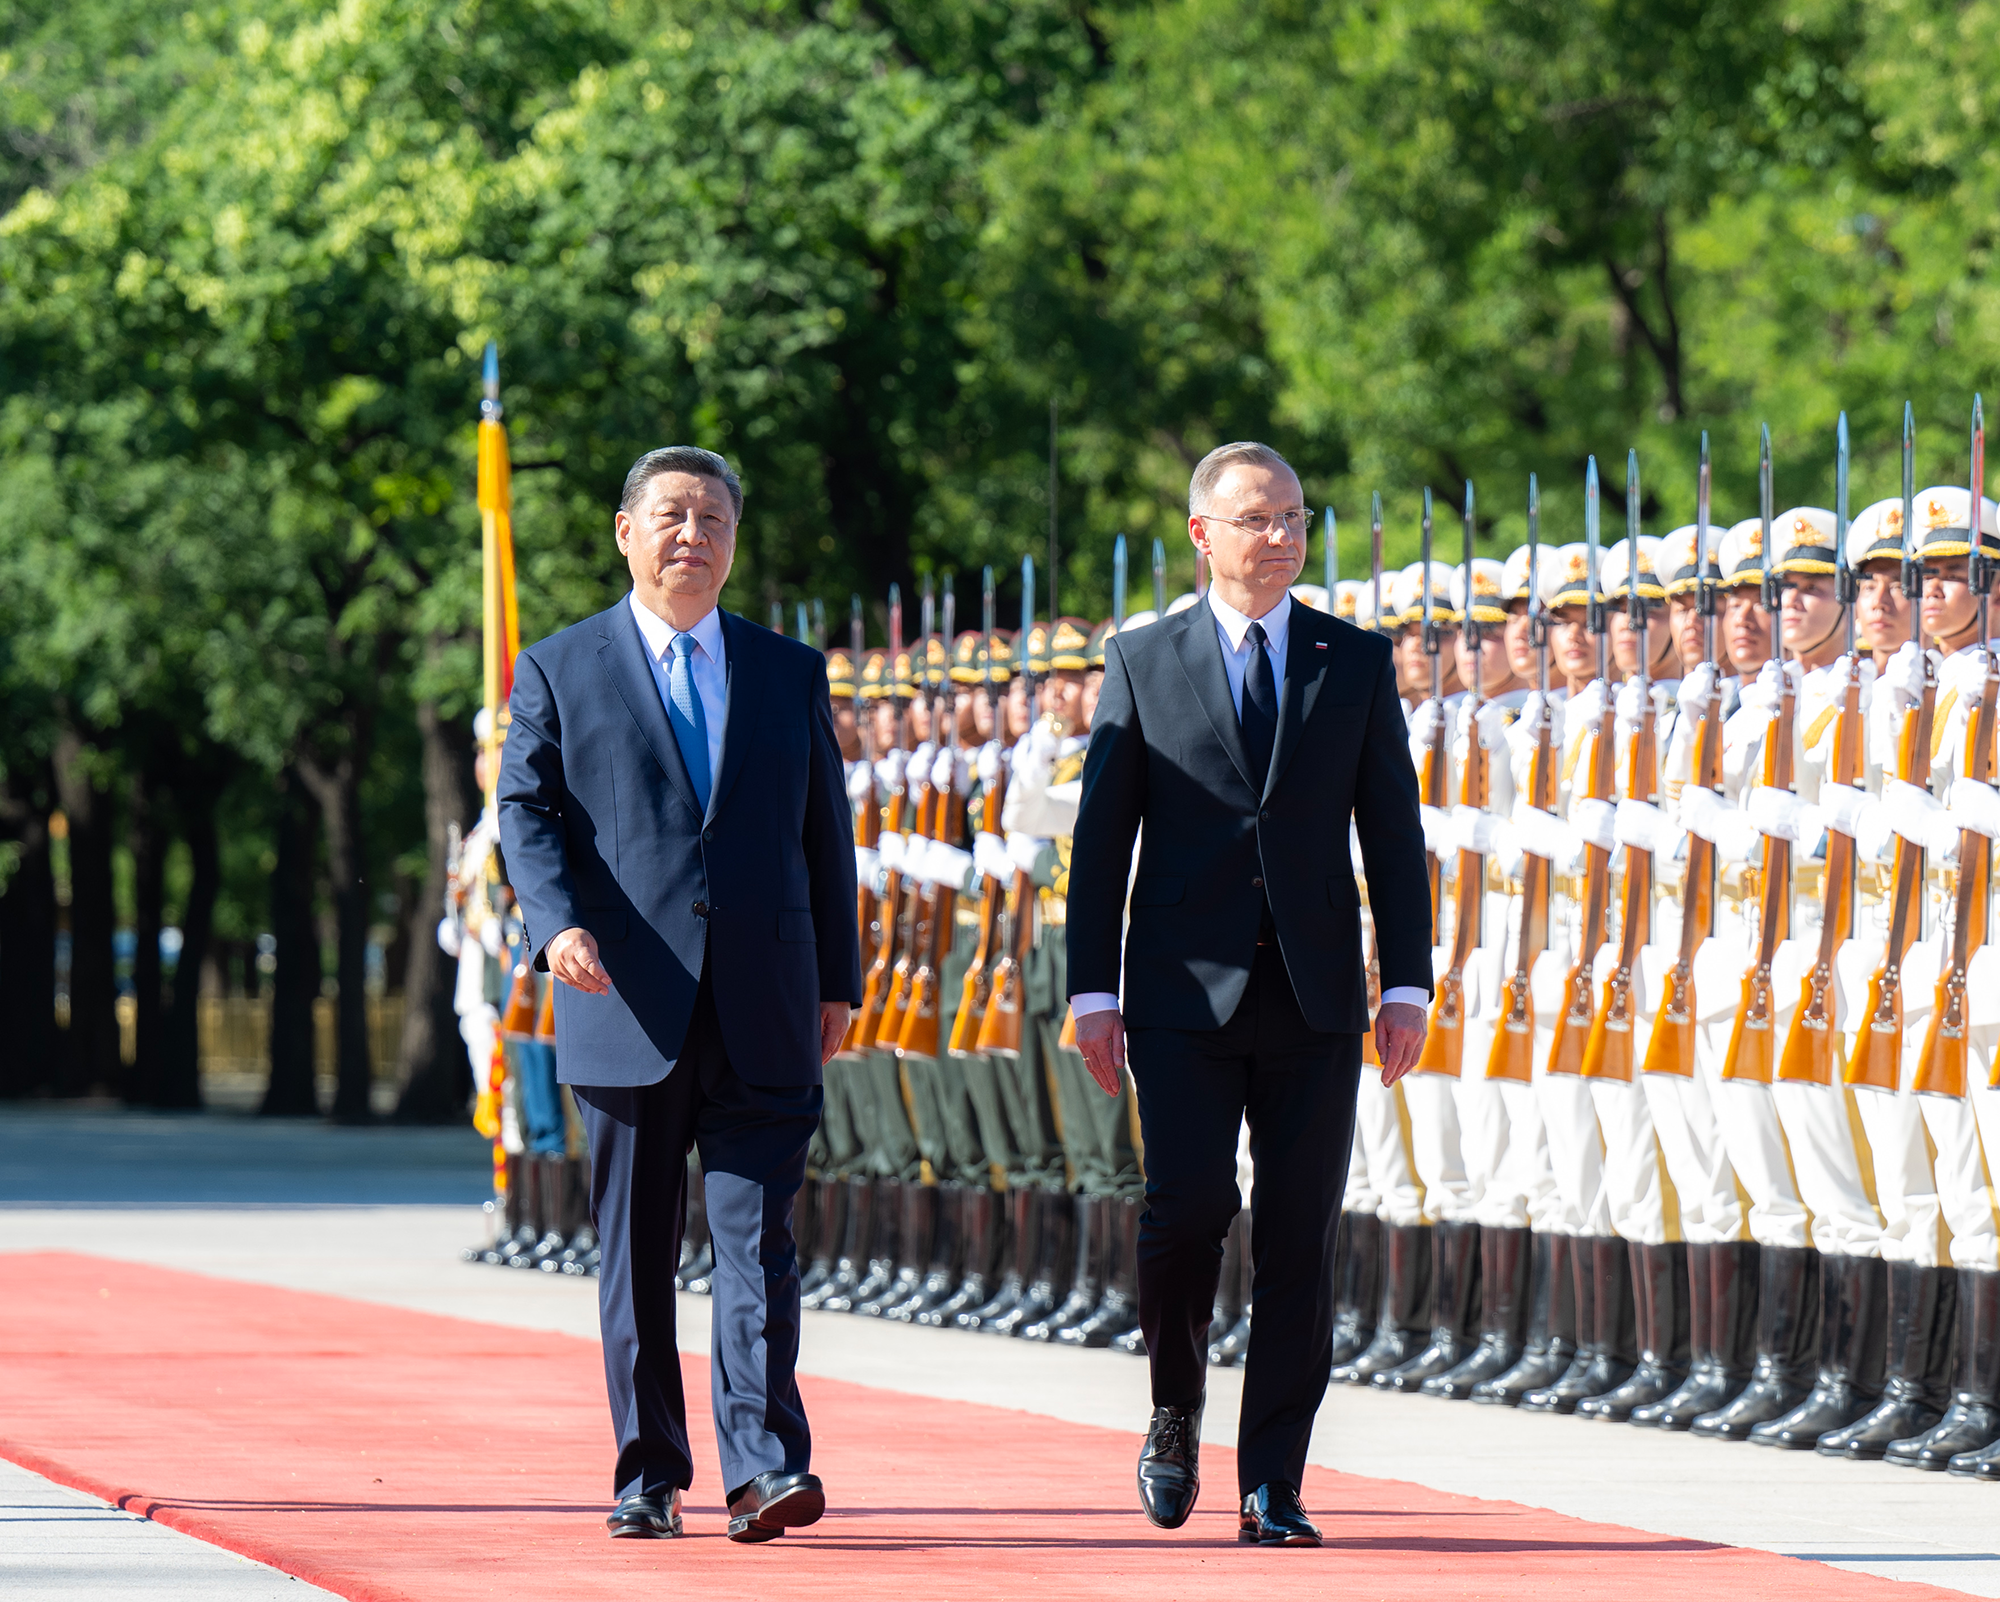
<point x="1296" y="1085"/>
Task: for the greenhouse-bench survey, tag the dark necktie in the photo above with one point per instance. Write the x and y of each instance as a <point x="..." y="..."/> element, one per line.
<point x="1260" y="708"/>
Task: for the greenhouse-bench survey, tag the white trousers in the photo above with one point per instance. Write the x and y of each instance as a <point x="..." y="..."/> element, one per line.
<point x="1380" y="1131"/>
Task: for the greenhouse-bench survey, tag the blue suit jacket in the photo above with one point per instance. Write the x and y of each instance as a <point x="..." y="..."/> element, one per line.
<point x="601" y="832"/>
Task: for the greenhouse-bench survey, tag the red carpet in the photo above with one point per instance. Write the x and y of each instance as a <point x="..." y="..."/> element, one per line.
<point x="408" y="1458"/>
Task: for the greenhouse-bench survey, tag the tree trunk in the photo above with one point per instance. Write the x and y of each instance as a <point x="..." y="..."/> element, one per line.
<point x="336" y="786"/>
<point x="92" y="1064"/>
<point x="437" y="1074"/>
<point x="180" y="1066"/>
<point x="295" y="981"/>
<point x="28" y="938"/>
<point x="146" y="838"/>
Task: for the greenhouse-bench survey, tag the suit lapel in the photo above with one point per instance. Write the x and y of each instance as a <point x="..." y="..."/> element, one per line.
<point x="623" y="655"/>
<point x="1200" y="650"/>
<point x="739" y="704"/>
<point x="1305" y="672"/>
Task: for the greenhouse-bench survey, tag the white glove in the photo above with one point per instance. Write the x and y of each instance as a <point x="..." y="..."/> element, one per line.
<point x="451" y="937"/>
<point x="1902" y="679"/>
<point x="1596" y="822"/>
<point x="1645" y="827"/>
<point x="1437" y="830"/>
<point x="989" y="763"/>
<point x="1875" y="837"/>
<point x="1915" y="814"/>
<point x="949" y="865"/>
<point x="1471" y="829"/>
<point x="989" y="855"/>
<point x="890" y="849"/>
<point x="1023" y="849"/>
<point x="1492" y="719"/>
<point x="1586" y="707"/>
<point x="1543" y="834"/>
<point x="491" y="937"/>
<point x="1706" y="814"/>
<point x="921" y="761"/>
<point x="1845" y="807"/>
<point x="889" y="770"/>
<point x="952" y="770"/>
<point x="1975" y="806"/>
<point x="1630" y="706"/>
<point x="1506" y="854"/>
<point x="867" y="862"/>
<point x="1698" y="691"/>
<point x="1424" y="725"/>
<point x="861" y="784"/>
<point x="1783" y="816"/>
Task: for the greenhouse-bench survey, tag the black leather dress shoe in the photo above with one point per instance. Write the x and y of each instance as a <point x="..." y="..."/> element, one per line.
<point x="773" y="1503"/>
<point x="1170" y="1466"/>
<point x="1272" y="1517"/>
<point x="646" y="1516"/>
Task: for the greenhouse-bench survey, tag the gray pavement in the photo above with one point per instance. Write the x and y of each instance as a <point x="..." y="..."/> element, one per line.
<point x="1877" y="1520"/>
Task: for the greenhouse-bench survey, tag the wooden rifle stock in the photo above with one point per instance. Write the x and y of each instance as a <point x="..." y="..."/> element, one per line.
<point x="1369" y="1055"/>
<point x="1812" y="1053"/>
<point x="1444" y="1041"/>
<point x="910" y="928"/>
<point x="867" y="1020"/>
<point x="1513" y="1053"/>
<point x="1000" y="1030"/>
<point x="1573" y="1023"/>
<point x="1943" y="1063"/>
<point x="978" y="985"/>
<point x="1431" y="787"/>
<point x="920" y="1032"/>
<point x="1878" y="1045"/>
<point x="1753" y="1043"/>
<point x="517" y="1019"/>
<point x="1671" y="1050"/>
<point x="1607" y="1051"/>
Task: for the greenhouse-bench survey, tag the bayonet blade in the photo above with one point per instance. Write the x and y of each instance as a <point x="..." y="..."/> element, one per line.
<point x="1118" y="584"/>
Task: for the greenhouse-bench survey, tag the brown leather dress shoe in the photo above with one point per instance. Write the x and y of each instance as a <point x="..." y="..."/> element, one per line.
<point x="646" y="1516"/>
<point x="773" y="1503"/>
<point x="1272" y="1516"/>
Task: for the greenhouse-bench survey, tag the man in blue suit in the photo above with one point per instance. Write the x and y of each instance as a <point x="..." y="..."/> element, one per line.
<point x="678" y="835"/>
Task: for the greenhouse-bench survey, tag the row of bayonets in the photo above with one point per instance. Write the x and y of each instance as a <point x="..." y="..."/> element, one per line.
<point x="1594" y="1037"/>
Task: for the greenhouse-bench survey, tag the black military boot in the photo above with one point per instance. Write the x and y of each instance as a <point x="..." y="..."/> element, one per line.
<point x="1506" y="1259"/>
<point x="1923" y="1305"/>
<point x="1787" y="1343"/>
<point x="979" y="1230"/>
<point x="1054" y="1235"/>
<point x="885" y="1226"/>
<point x="1117" y="1310"/>
<point x="1701" y="1340"/>
<point x="1605" y="1360"/>
<point x="1731" y="1317"/>
<point x="1358" y="1274"/>
<point x="556" y="1221"/>
<point x="1405" y="1309"/>
<point x="1090" y="1226"/>
<point x="1551" y="1338"/>
<point x="1454" y="1309"/>
<point x="1853" y="1322"/>
<point x="1972" y="1420"/>
<point x="1235" y="1343"/>
<point x="916" y="1235"/>
<point x="1660" y="1294"/>
<point x="829" y="1212"/>
<point x="941" y="1272"/>
<point x="857" y="1234"/>
<point x="1017" y="1251"/>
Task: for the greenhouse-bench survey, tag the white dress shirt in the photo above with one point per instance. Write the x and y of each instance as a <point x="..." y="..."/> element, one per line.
<point x="710" y="669"/>
<point x="1232" y="628"/>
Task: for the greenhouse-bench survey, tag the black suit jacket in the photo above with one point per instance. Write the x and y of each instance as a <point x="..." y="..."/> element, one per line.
<point x="1166" y="750"/>
<point x="601" y="830"/>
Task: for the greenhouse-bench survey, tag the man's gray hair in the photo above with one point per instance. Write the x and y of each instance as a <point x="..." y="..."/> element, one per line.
<point x="1218" y="461"/>
<point x="680" y="459"/>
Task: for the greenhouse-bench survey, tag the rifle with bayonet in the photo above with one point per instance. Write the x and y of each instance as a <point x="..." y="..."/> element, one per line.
<point x="1000" y="1030"/>
<point x="1943" y="1062"/>
<point x="1812" y="1044"/>
<point x="867" y="820"/>
<point x="917" y="901"/>
<point x="1753" y="1047"/>
<point x="921" y="1029"/>
<point x="1513" y="1052"/>
<point x="1369" y="1055"/>
<point x="1573" y="1023"/>
<point x="875" y="985"/>
<point x="1444" y="1041"/>
<point x="1431" y="780"/>
<point x="1672" y="1048"/>
<point x="978" y="986"/>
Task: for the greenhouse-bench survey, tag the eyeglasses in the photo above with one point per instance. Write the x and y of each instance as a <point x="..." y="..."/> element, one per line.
<point x="1261" y="523"/>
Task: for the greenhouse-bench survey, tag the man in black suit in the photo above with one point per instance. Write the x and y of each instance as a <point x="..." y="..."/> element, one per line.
<point x="1243" y="733"/>
<point x="678" y="835"/>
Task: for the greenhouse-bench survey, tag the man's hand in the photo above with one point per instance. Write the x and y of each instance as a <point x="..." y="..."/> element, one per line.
<point x="833" y="1017"/>
<point x="1100" y="1036"/>
<point x="1399" y="1038"/>
<point x="573" y="959"/>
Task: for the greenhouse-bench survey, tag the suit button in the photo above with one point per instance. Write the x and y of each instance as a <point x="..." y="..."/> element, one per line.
<point x="1256" y="884"/>
<point x="1264" y="816"/>
<point x="701" y="907"/>
<point x="709" y="835"/>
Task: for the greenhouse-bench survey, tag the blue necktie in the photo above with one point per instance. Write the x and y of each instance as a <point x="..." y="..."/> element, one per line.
<point x="685" y="714"/>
